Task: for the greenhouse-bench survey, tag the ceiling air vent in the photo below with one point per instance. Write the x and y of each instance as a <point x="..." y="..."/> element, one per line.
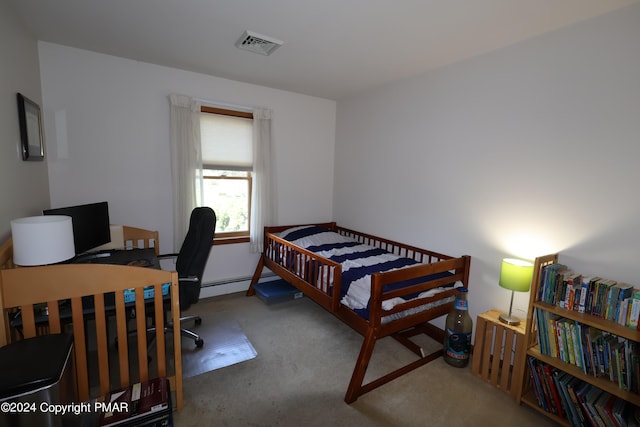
<point x="258" y="43"/>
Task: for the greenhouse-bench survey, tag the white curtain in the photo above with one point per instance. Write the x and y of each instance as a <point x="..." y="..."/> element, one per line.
<point x="186" y="163"/>
<point x="263" y="203"/>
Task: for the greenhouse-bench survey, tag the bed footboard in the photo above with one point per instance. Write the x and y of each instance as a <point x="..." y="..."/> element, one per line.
<point x="405" y="320"/>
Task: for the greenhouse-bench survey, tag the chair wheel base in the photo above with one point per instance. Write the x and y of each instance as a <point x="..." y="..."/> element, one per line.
<point x="199" y="342"/>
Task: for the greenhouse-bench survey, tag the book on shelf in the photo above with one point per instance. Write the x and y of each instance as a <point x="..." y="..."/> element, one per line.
<point x="571" y="283"/>
<point x="591" y="297"/>
<point x="599" y="287"/>
<point x="571" y="383"/>
<point x="610" y="341"/>
<point x="622" y="314"/>
<point x="557" y="404"/>
<point x="543" y="329"/>
<point x="592" y="335"/>
<point x="577" y="401"/>
<point x="605" y="298"/>
<point x="634" y="310"/>
<point x="563" y="345"/>
<point x="561" y="378"/>
<point x="601" y="404"/>
<point x="550" y="339"/>
<point x="585" y="346"/>
<point x="549" y="282"/>
<point x="561" y="285"/>
<point x="534" y="374"/>
<point x="634" y="367"/>
<point x="591" y="397"/>
<point x="596" y="352"/>
<point x="575" y="328"/>
<point x="584" y="293"/>
<point x="568" y="333"/>
<point x="619" y="293"/>
<point x="581" y="390"/>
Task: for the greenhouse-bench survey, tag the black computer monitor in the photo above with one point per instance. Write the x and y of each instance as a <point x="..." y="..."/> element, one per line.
<point x="90" y="224"/>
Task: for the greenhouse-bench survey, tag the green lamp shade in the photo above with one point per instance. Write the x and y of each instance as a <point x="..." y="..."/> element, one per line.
<point x="516" y="274"/>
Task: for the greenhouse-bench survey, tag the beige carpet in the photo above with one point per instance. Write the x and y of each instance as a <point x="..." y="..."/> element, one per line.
<point x="304" y="363"/>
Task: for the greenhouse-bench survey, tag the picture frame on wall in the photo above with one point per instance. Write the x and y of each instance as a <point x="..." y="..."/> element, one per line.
<point x="31" y="136"/>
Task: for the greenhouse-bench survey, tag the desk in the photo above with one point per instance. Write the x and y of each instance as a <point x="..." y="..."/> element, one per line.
<point x="145" y="257"/>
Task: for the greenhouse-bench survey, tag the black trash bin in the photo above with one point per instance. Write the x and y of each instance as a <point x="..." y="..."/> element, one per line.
<point x="36" y="373"/>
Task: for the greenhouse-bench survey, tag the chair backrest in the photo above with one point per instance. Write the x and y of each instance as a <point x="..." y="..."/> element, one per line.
<point x="194" y="254"/>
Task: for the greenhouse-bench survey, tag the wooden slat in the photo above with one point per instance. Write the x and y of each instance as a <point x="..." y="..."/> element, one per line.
<point x="486" y="358"/>
<point x="517" y="375"/>
<point x="160" y="338"/>
<point x="123" y="339"/>
<point x="478" y="352"/>
<point x="54" y="317"/>
<point x="80" y="345"/>
<point x="26" y="287"/>
<point x="28" y="321"/>
<point x="141" y="335"/>
<point x="103" y="348"/>
<point x="507" y="370"/>
<point x="177" y="343"/>
<point x="498" y="334"/>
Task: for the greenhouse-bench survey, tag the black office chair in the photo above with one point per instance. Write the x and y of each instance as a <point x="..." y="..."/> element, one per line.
<point x="190" y="263"/>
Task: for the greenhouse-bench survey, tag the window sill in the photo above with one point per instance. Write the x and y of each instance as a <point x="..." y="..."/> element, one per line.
<point x="229" y="240"/>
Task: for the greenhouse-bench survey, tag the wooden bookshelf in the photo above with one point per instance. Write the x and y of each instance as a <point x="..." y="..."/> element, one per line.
<point x="527" y="394"/>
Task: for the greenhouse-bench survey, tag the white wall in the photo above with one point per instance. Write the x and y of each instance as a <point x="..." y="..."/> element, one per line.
<point x="24" y="187"/>
<point x="528" y="150"/>
<point x="107" y="123"/>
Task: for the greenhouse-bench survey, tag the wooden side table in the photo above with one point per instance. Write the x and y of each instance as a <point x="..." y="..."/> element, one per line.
<point x="496" y="350"/>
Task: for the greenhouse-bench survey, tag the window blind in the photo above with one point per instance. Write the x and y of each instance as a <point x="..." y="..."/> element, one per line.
<point x="227" y="142"/>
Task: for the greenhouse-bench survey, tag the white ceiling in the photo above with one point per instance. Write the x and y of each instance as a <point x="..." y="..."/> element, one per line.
<point x="332" y="48"/>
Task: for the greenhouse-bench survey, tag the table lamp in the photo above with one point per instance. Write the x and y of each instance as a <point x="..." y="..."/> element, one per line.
<point x="515" y="275"/>
<point x="42" y="240"/>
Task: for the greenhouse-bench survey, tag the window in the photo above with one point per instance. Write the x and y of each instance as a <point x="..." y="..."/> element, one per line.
<point x="227" y="159"/>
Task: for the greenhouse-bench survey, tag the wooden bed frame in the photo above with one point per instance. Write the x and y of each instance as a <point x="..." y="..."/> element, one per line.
<point x="29" y="289"/>
<point x="314" y="282"/>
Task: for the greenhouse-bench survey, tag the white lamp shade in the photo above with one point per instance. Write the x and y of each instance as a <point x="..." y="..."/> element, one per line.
<point x="516" y="274"/>
<point x="42" y="240"/>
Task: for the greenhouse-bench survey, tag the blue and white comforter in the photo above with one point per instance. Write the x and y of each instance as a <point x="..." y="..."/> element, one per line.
<point x="358" y="263"/>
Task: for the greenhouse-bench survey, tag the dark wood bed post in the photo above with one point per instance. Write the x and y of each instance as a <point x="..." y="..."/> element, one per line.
<point x="366" y="351"/>
<point x="256" y="274"/>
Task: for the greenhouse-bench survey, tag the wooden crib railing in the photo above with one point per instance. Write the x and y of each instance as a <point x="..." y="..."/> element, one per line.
<point x="50" y="300"/>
